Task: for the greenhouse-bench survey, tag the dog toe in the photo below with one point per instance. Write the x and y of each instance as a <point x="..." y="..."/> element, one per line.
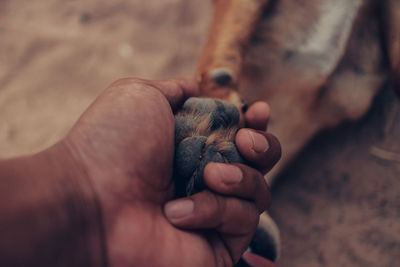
<point x="204" y="132"/>
<point x="221" y="76"/>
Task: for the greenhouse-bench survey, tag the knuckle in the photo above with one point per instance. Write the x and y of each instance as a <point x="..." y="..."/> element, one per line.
<point x="253" y="216"/>
<point x="220" y="210"/>
<point x="214" y="205"/>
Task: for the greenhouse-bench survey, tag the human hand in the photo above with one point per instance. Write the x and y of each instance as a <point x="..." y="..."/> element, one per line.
<point x="124" y="144"/>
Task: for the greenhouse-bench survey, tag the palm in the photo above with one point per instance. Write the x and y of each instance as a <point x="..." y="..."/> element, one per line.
<point x="143" y="170"/>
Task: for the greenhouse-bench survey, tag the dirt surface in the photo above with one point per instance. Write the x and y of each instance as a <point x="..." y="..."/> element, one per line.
<point x="57" y="56"/>
<point x="337" y="205"/>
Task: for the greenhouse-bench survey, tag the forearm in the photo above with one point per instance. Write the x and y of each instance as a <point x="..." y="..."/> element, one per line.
<point x="48" y="215"/>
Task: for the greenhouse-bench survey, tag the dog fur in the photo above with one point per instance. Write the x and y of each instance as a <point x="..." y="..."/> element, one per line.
<point x="318" y="63"/>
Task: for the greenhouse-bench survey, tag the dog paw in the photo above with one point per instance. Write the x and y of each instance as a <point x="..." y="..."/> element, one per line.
<point x="266" y="239"/>
<point x="265" y="242"/>
<point x="205" y="131"/>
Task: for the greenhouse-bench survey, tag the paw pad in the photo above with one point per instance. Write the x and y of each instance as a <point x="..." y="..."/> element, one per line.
<point x="204" y="132"/>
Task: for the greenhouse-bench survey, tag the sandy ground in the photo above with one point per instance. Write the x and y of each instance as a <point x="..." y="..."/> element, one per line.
<point x="57" y="56"/>
<point x="345" y="212"/>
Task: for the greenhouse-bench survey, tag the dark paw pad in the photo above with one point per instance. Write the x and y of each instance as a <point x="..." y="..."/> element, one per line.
<point x="221" y="77"/>
<point x="204" y="132"/>
<point x="263" y="244"/>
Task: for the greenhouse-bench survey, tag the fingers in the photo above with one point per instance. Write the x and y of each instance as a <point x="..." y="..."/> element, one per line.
<point x="257" y="116"/>
<point x="176" y="91"/>
<point x="206" y="210"/>
<point x="233" y="219"/>
<point x="242" y="195"/>
<point x="240" y="181"/>
<point x="261" y="149"/>
<point x="239" y="194"/>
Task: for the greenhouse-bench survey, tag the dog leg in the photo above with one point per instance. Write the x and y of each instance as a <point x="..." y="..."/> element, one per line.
<point x="206" y="128"/>
<point x="220" y="64"/>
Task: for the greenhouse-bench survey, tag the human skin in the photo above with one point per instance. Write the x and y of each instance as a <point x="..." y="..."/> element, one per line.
<point x="103" y="195"/>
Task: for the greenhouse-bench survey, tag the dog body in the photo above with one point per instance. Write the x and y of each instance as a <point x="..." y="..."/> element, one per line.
<point x="316" y="62"/>
<point x="323" y="62"/>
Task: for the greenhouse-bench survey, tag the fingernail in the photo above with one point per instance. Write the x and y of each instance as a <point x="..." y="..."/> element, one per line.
<point x="260" y="142"/>
<point x="178" y="208"/>
<point x="229" y="174"/>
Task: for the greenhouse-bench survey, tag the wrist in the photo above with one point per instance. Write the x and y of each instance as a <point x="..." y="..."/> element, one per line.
<point x="78" y="199"/>
<point x="50" y="214"/>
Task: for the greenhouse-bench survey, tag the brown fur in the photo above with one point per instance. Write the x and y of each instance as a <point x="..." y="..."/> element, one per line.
<point x="232" y="28"/>
<point x="317" y="62"/>
<point x="219" y="137"/>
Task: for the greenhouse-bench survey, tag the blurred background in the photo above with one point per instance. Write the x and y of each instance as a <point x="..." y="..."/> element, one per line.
<point x="57" y="56"/>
